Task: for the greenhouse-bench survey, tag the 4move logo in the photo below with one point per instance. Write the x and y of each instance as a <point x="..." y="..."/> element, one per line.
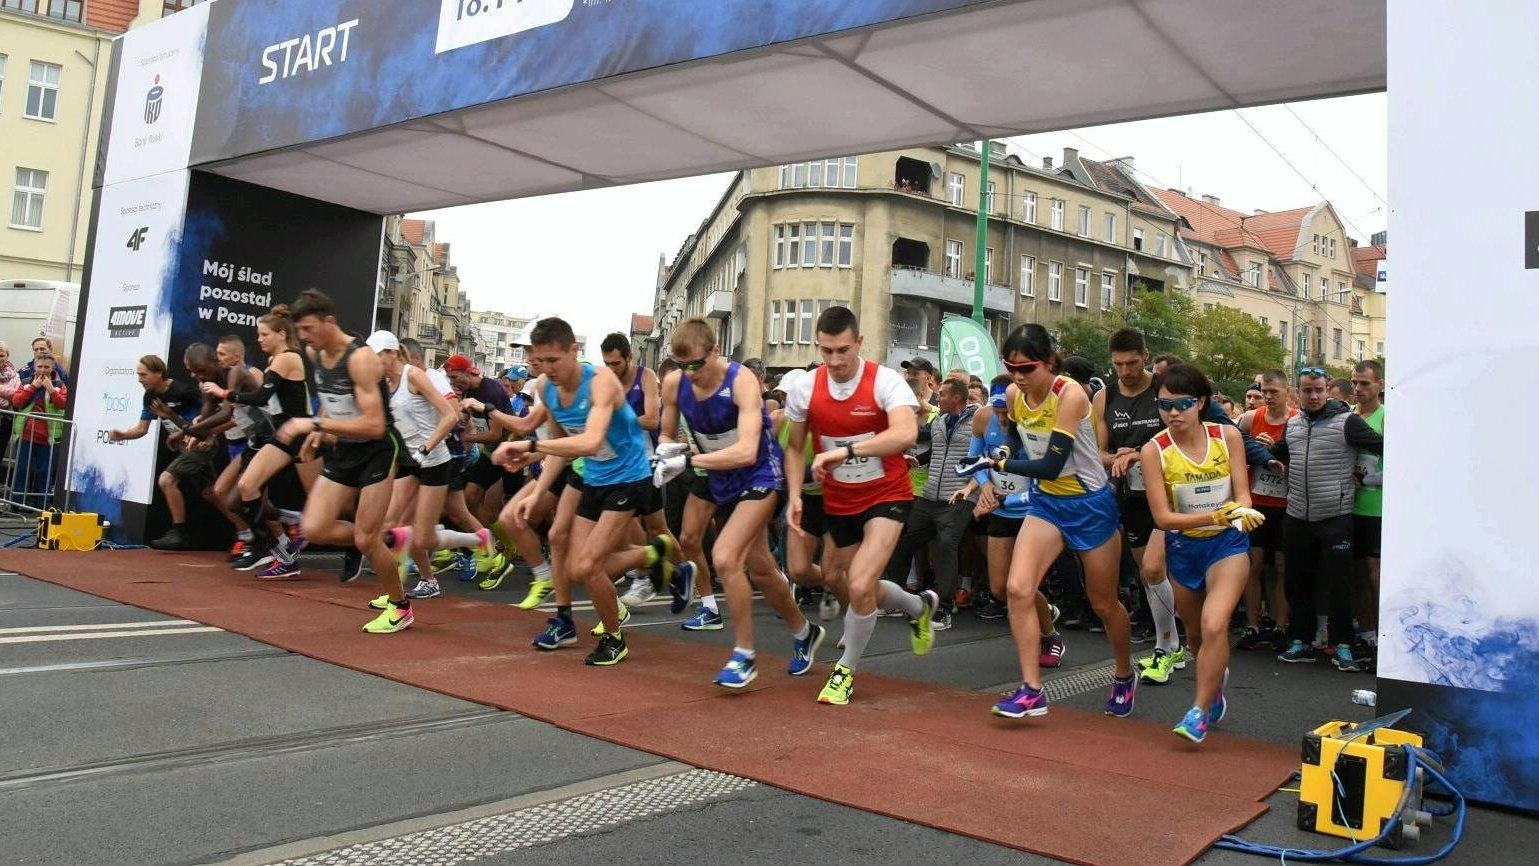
<point x="126" y="321"/>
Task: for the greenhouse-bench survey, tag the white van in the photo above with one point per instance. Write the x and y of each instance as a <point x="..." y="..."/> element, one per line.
<point x="32" y="308"/>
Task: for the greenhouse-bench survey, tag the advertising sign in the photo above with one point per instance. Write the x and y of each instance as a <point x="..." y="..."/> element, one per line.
<point x="155" y="101"/>
<point x="966" y="344"/>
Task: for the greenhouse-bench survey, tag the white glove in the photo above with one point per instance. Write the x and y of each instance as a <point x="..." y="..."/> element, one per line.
<point x="668" y="469"/>
<point x="671" y="449"/>
<point x="1246" y="519"/>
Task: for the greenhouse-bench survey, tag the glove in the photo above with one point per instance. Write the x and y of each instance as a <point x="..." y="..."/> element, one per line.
<point x="1224" y="513"/>
<point x="1246" y="519"/>
<point x="672" y="449"/>
<point x="668" y="469"/>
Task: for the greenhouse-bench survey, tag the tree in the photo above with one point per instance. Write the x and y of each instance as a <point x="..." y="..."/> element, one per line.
<point x="1087" y="336"/>
<point x="1165" y="318"/>
<point x="1231" y="347"/>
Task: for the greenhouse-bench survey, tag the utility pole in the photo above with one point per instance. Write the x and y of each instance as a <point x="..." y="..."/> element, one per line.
<point x="983" y="231"/>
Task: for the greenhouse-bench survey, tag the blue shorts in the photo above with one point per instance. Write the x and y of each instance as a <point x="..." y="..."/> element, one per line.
<point x="234" y="448"/>
<point x="1188" y="559"/>
<point x="1086" y="521"/>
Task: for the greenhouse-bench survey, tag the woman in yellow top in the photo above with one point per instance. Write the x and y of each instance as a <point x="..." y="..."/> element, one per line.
<point x="1204" y="508"/>
<point x="1070" y="504"/>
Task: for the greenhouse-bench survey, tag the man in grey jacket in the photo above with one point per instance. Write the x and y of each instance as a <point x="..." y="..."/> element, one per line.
<point x="934" y="515"/>
<point x="1320" y="447"/>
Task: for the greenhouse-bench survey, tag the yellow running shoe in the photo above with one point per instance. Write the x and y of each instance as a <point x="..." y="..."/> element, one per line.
<point x="443" y="560"/>
<point x="922" y="630"/>
<point x="392" y="620"/>
<point x="841" y="684"/>
<point x="625" y="617"/>
<point x="493" y="579"/>
<point x="539" y="590"/>
<point x="380" y="603"/>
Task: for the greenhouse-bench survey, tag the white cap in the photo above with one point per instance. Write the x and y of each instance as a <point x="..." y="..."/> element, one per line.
<point x="382" y="341"/>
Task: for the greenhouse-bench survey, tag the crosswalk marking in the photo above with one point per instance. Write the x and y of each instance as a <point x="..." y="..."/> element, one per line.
<point x="96" y="626"/>
<point x="148" y="632"/>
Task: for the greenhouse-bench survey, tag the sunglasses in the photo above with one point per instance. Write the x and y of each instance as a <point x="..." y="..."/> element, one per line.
<point x="1313" y="371"/>
<point x="692" y="366"/>
<point x="1180" y="404"/>
<point x="1026" y="368"/>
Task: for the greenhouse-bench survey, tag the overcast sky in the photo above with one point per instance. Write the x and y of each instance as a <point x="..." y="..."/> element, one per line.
<point x="591" y="257"/>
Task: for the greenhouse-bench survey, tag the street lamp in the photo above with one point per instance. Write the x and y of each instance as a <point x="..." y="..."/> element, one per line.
<point x="401" y="278"/>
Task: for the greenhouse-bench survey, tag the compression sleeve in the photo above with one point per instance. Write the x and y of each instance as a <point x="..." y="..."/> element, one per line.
<point x="974" y="447"/>
<point x="1256" y="454"/>
<point x="1362" y="436"/>
<point x="260" y="396"/>
<point x="1050" y="464"/>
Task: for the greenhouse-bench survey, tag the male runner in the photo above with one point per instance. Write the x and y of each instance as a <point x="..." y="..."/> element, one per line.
<point x="1368" y="509"/>
<point x="862" y="418"/>
<point x="360" y="467"/>
<point x="161" y="395"/>
<point x="1269" y="494"/>
<point x="724" y="406"/>
<point x="488" y="408"/>
<point x="641" y="392"/>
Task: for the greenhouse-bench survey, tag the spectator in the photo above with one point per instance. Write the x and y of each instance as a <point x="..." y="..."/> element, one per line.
<point x="9" y="380"/>
<point x="921" y="372"/>
<point x="43" y="346"/>
<point x="43" y="394"/>
<point x="1341" y="389"/>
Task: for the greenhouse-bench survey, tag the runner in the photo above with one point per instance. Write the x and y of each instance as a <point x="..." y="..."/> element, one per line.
<point x="162" y="396"/>
<point x="1071" y="505"/>
<point x="743" y="463"/>
<point x="240" y="440"/>
<point x="1206" y="556"/>
<point x="861" y="416"/>
<point x="205" y="464"/>
<point x="456" y="511"/>
<point x="802" y="547"/>
<point x="488" y="410"/>
<point x="1269" y="495"/>
<point x="1368" y="508"/>
<point x="355" y="422"/>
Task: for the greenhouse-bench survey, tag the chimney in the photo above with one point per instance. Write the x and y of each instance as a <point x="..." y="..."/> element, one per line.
<point x="996" y="149"/>
<point x="1070" y="156"/>
<point x="1257" y="212"/>
<point x="1210" y="199"/>
<point x="1047" y="162"/>
<point x="1125" y="163"/>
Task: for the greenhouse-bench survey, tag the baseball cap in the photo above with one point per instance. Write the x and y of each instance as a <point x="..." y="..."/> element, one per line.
<point x="1079" y="369"/>
<point x="997" y="395"/>
<point x="517" y="372"/>
<point x="919" y="364"/>
<point x="460" y="364"/>
<point x="383" y="341"/>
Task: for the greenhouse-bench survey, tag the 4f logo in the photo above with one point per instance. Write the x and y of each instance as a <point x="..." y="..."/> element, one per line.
<point x="136" y="240"/>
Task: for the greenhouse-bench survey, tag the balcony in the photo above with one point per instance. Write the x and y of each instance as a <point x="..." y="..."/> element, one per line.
<point x="429" y="332"/>
<point x="386" y="297"/>
<point x="918" y="283"/>
<point x="718" y="305"/>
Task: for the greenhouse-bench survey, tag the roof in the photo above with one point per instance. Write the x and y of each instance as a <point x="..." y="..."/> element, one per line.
<point x="1277" y="233"/>
<point x="114" y="15"/>
<point x="1365" y="260"/>
<point x="641" y="324"/>
<point x="411" y="231"/>
<point x="1111" y="177"/>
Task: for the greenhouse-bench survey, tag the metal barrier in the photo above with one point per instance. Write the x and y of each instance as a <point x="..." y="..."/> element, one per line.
<point x="35" y="449"/>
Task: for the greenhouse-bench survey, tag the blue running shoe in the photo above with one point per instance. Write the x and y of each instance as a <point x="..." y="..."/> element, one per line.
<point x="1120" y="704"/>
<point x="427" y="587"/>
<point x="557" y="634"/>
<point x="804" y="653"/>
<point x="411" y="568"/>
<point x="739" y="672"/>
<point x="1193" y="726"/>
<point x="466" y="562"/>
<point x="1220" y="707"/>
<point x="682" y="586"/>
<point x="1024" y="701"/>
<point x="704" y="619"/>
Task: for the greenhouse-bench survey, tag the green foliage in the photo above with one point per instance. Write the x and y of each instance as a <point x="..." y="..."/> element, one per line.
<point x="1087" y="337"/>
<point x="1165" y="318"/>
<point x="1232" y="348"/>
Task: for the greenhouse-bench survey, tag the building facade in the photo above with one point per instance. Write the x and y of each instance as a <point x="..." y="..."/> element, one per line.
<point x="419" y="294"/>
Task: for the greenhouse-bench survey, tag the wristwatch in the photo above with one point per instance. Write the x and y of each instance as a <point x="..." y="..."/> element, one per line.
<point x="534" y="444"/>
<point x="315" y="424"/>
<point x="423" y="450"/>
<point x="849" y="448"/>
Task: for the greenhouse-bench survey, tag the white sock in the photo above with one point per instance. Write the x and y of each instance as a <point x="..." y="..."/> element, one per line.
<point x="451" y="539"/>
<point x="1162" y="605"/>
<point x="746" y="652"/>
<point x="289" y="517"/>
<point x="857" y="633"/>
<point x="806" y="630"/>
<point x="710" y="603"/>
<point x="244" y="534"/>
<point x="542" y="571"/>
<point x="890" y="596"/>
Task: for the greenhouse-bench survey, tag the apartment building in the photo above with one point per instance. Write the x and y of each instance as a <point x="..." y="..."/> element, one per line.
<point x="419" y="293"/>
<point x="893" y="236"/>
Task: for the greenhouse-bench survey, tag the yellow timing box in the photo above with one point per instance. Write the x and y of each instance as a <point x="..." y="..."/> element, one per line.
<point x="1372" y="768"/>
<point x="58" y="530"/>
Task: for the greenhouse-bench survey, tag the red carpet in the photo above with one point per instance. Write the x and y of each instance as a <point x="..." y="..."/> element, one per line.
<point x="1122" y="791"/>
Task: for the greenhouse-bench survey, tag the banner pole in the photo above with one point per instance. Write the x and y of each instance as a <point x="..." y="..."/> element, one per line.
<point x="983" y="231"/>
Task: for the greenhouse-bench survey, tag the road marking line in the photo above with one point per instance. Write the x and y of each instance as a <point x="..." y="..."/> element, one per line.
<point x="45" y="638"/>
<point x="96" y="626"/>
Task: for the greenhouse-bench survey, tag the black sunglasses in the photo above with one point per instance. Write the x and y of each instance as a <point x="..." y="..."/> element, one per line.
<point x="692" y="366"/>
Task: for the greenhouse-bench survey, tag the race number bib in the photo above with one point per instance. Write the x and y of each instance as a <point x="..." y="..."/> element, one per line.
<point x="1136" y="476"/>
<point x="1367" y="464"/>
<point x="860" y="470"/>
<point x="1006" y="483"/>
<point x="1198" y="497"/>
<point x="605" y="452"/>
<point x="1035" y="442"/>
<point x="712" y="442"/>
<point x="339" y="406"/>
<point x="1269" y="483"/>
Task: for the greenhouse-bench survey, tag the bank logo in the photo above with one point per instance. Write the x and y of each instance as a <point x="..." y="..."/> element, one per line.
<point x="126" y="321"/>
<point x="152" y="102"/>
<point x="136" y="240"/>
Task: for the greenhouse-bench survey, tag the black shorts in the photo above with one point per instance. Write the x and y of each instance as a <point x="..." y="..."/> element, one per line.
<point x="456" y="466"/>
<point x="753" y="494"/>
<point x="814" y="519"/>
<point x="360" y="465"/>
<point x="1269" y="535"/>
<point x="848" y="529"/>
<point x="567" y="478"/>
<point x="483" y="473"/>
<point x="432" y="476"/>
<point x="613" y="497"/>
<point x="700" y="486"/>
<point x="1137" y="521"/>
<point x="1367" y="535"/>
<point x="1004" y="527"/>
<point x="512" y="482"/>
<point x="194" y="468"/>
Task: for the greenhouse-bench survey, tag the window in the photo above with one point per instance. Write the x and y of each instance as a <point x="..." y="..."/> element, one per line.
<point x="1314" y="245"/>
<point x="955" y="186"/>
<point x="1253" y="275"/>
<point x="850" y="172"/>
<point x="1029" y="208"/>
<point x="1381" y="348"/>
<point x="23" y="5"/>
<point x="846" y="245"/>
<point x="2" y="75"/>
<point x="1207" y="308"/>
<point x="1108" y="289"/>
<point x="793" y="245"/>
<point x="1319" y="341"/>
<point x="774" y="323"/>
<point x="1336" y="343"/>
<point x="953" y="259"/>
<point x="1084" y="221"/>
<point x="988" y="264"/>
<point x="826" y="251"/>
<point x="991" y="197"/>
<point x="27" y="200"/>
<point x="1055" y="281"/>
<point x="1138" y="239"/>
<point x="66" y="10"/>
<point x="809" y="245"/>
<point x="1202" y="263"/>
<point x="1341" y="293"/>
<point x="1057" y="214"/>
<point x="824" y="173"/>
<point x="814" y="174"/>
<point x="1111" y="227"/>
<point x="1082" y="287"/>
<point x="799" y="175"/>
<point x="1361" y="348"/>
<point x="43" y="91"/>
<point x="1282" y="333"/>
<point x="789" y="334"/>
<point x="1325" y="288"/>
<point x="806" y="325"/>
<point x="1028" y="276"/>
<point x="1159" y="243"/>
<point x="171" y="6"/>
<point x="1264" y="323"/>
<point x="780" y="246"/>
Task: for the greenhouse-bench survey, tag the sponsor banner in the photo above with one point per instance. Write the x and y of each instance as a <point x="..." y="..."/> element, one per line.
<point x="966" y="344"/>
<point x="292" y="73"/>
<point x="138" y="229"/>
<point x="1458" y="612"/>
<point x="159" y="71"/>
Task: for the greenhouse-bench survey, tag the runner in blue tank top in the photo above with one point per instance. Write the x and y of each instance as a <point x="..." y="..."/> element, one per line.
<point x="724" y="407"/>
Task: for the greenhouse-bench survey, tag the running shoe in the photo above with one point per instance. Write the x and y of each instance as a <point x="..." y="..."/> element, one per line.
<point x="557" y="634"/>
<point x="966" y="467"/>
<point x="1157" y="668"/>
<point x="640" y="592"/>
<point x="296" y="537"/>
<point x="804" y="653"/>
<point x="390" y="621"/>
<point x="1141" y="634"/>
<point x="1193" y="726"/>
<point x="1052" y="651"/>
<point x="611" y="651"/>
<point x="1346" y="660"/>
<point x="989" y="609"/>
<point x="253" y="558"/>
<point x="625" y="617"/>
<point x="739" y="672"/>
<point x="682" y="587"/>
<point x="494" y="579"/>
<point x="1220" y="707"/>
<point x="427" y="587"/>
<point x="1024" y="701"/>
<point x="662" y="567"/>
<point x="1248" y="638"/>
<point x="279" y="570"/>
<point x="443" y="560"/>
<point x="1054" y="613"/>
<point x="963" y="598"/>
<point x="380" y="603"/>
<point x="411" y="568"/>
<point x="1298" y="652"/>
<point x="941" y="621"/>
<point x="238" y="548"/>
<point x="922" y="630"/>
<point x="174" y="539"/>
<point x="539" y="589"/>
<point x="467" y="564"/>
<point x="828" y="607"/>
<point x="1120" y="703"/>
<point x="352" y="566"/>
<point x="489" y="563"/>
<point x="841" y="684"/>
<point x="704" y="619"/>
<point x="398" y="540"/>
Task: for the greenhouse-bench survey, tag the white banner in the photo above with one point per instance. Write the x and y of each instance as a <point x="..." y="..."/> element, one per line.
<point x="468" y="22"/>
<point x="160" y="71"/>
<point x="138" y="232"/>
